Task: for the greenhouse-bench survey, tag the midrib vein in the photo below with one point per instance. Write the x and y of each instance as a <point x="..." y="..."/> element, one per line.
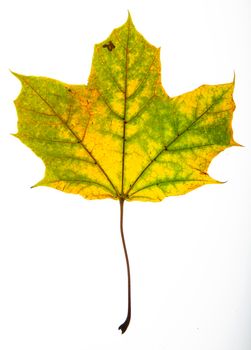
<point x="125" y="112"/>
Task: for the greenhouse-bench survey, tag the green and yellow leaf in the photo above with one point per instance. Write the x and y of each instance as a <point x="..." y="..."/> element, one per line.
<point x="122" y="136"/>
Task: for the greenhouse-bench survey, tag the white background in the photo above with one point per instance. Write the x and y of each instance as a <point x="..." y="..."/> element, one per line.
<point x="62" y="269"/>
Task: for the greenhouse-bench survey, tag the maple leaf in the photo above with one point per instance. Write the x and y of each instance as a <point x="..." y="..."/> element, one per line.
<point x="122" y="136"/>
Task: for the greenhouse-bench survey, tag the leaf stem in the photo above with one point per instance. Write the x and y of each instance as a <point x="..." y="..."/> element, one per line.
<point x="125" y="324"/>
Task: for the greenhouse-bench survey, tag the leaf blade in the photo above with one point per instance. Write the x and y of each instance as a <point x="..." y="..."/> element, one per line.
<point x="136" y="142"/>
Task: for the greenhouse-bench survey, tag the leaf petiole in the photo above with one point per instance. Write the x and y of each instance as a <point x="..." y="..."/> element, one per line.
<point x="125" y="324"/>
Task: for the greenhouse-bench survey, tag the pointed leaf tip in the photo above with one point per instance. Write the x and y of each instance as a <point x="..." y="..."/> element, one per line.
<point x="14" y="73"/>
<point x="234" y="79"/>
<point x="15" y="135"/>
<point x="237" y="144"/>
<point x="17" y="75"/>
<point x="129" y="18"/>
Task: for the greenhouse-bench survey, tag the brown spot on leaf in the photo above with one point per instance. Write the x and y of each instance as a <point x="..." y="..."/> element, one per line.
<point x="110" y="46"/>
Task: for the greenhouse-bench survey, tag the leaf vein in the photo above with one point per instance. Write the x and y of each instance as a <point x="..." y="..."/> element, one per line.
<point x="146" y="76"/>
<point x="106" y="67"/>
<point x="81" y="181"/>
<point x="74" y="134"/>
<point x="173" y="141"/>
<point x="109" y="106"/>
<point x="167" y="182"/>
<point x="136" y="115"/>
